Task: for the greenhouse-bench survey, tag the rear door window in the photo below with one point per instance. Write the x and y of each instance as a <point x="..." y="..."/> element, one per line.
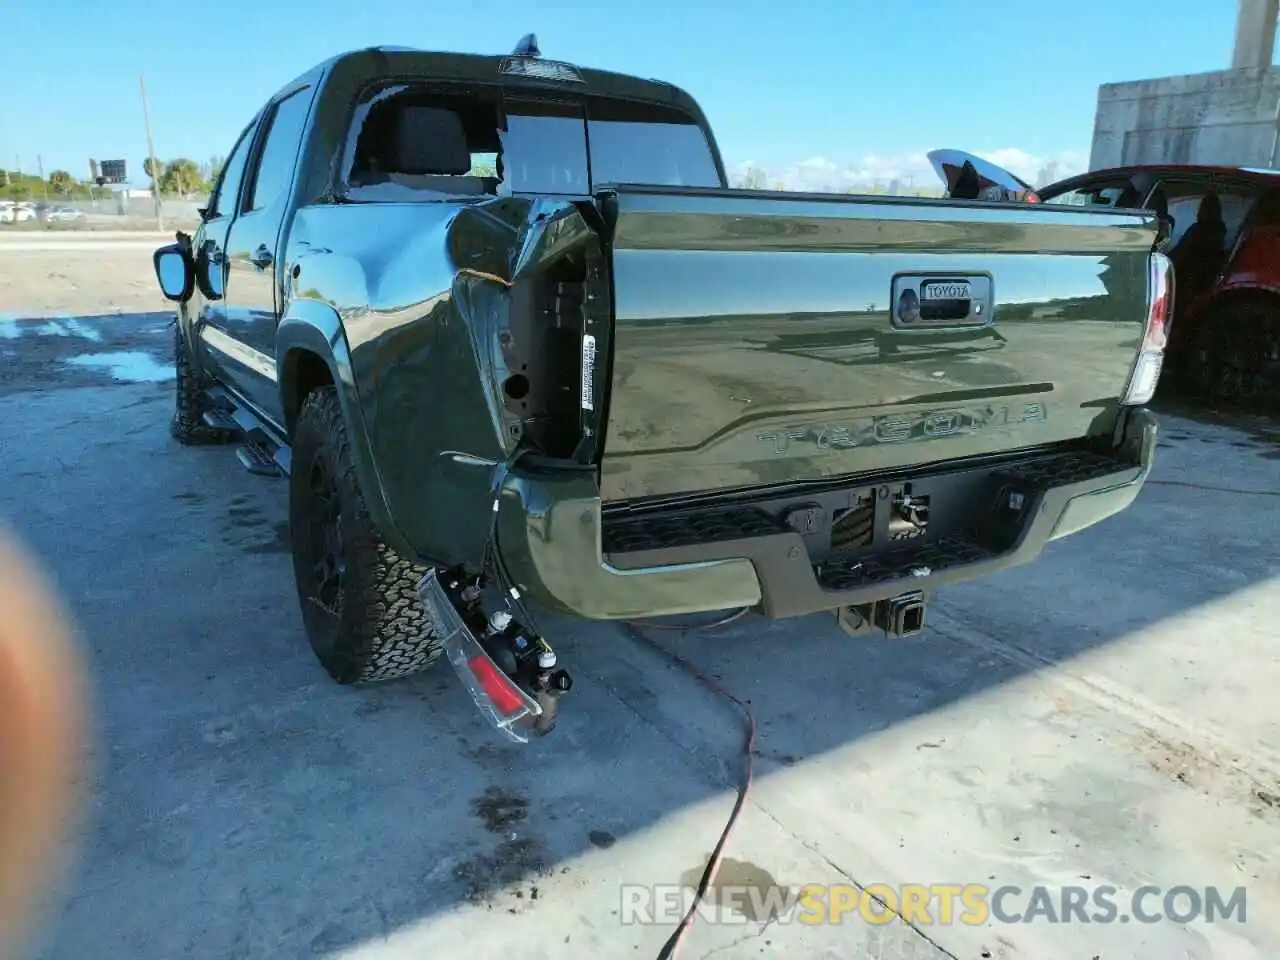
<point x="280" y="151"/>
<point x="1108" y="194"/>
<point x="1186" y="197"/>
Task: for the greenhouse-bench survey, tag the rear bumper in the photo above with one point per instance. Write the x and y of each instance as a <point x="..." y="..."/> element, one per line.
<point x="568" y="556"/>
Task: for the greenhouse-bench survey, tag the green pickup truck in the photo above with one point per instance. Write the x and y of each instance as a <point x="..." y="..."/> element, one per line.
<point x="517" y="346"/>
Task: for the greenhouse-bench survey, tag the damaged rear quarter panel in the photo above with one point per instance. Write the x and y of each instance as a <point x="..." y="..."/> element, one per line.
<point x="424" y="293"/>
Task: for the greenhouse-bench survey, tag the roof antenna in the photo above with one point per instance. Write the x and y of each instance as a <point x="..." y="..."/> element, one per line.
<point x="527" y="47"/>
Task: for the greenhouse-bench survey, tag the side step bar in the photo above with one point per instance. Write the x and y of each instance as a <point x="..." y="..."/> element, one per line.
<point x="256" y="458"/>
<point x="220" y="420"/>
<point x="260" y="453"/>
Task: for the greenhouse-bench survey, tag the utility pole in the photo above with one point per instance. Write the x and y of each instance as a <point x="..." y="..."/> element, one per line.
<point x="1275" y="136"/>
<point x="44" y="187"/>
<point x="151" y="152"/>
<point x="1255" y="34"/>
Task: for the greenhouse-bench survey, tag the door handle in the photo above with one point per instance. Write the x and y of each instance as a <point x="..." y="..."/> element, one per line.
<point x="261" y="257"/>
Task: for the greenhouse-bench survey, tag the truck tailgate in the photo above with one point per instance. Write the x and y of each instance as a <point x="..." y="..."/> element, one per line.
<point x="766" y="338"/>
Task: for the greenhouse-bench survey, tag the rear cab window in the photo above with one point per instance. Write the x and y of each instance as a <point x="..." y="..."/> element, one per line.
<point x="423" y="142"/>
<point x="648" y="145"/>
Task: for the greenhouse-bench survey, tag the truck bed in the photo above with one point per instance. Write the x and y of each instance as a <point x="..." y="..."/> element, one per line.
<point x="756" y="338"/>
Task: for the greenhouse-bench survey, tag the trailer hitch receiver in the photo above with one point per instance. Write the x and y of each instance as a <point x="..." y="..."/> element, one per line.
<point x="902" y="616"/>
<point x="898" y="617"/>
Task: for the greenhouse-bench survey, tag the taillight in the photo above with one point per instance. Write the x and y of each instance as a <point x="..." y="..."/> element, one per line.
<point x="500" y="688"/>
<point x="496" y="694"/>
<point x="1155" y="337"/>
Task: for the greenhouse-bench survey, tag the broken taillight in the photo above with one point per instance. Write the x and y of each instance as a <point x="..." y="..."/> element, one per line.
<point x="497" y="696"/>
<point x="1155" y="336"/>
<point x="497" y="686"/>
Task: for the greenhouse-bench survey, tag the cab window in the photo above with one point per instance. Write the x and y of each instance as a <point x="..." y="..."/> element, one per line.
<point x="280" y="151"/>
<point x="1187" y="206"/>
<point x="1093" y="195"/>
<point x="223" y="201"/>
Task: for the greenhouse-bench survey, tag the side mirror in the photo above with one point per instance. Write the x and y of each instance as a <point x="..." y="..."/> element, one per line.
<point x="175" y="272"/>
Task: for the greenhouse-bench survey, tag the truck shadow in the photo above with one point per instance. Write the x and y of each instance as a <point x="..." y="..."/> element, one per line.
<point x="285" y="816"/>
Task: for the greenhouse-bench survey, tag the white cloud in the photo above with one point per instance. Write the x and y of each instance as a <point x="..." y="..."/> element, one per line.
<point x="909" y="171"/>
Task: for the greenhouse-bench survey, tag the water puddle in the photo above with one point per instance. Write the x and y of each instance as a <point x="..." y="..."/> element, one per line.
<point x="132" y="367"/>
<point x="12" y="329"/>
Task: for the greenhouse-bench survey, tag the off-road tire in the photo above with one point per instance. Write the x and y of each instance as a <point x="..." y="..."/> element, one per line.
<point x="373" y="626"/>
<point x="187" y="425"/>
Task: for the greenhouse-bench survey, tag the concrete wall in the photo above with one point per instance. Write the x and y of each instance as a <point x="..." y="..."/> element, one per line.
<point x="1225" y="117"/>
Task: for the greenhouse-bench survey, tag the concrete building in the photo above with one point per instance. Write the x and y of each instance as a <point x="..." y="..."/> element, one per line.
<point x="1229" y="117"/>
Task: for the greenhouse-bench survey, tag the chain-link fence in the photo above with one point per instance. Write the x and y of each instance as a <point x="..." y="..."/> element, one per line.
<point x="118" y="205"/>
<point x="108" y="210"/>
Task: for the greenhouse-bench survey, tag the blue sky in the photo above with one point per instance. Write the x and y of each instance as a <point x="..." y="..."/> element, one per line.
<point x="858" y="89"/>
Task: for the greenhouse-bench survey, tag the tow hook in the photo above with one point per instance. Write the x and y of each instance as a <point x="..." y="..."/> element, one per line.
<point x="512" y="674"/>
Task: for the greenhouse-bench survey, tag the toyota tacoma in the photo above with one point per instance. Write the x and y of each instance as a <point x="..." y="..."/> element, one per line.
<point x="517" y="346"/>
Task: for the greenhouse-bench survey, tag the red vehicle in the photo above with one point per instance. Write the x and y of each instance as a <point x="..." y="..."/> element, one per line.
<point x="1224" y="241"/>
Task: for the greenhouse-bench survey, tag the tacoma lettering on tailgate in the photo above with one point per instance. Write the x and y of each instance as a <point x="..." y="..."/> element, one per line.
<point x="901" y="428"/>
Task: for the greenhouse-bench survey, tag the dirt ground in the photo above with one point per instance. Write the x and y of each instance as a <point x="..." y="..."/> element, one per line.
<point x="95" y="281"/>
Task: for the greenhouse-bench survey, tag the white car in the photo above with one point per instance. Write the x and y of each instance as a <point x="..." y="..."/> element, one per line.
<point x="64" y="214"/>
<point x="11" y="212"/>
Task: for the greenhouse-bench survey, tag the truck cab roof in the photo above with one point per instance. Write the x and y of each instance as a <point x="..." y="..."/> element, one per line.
<point x="344" y="80"/>
<point x="515" y="69"/>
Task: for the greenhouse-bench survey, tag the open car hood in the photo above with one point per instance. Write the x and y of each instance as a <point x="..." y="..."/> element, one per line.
<point x="996" y="182"/>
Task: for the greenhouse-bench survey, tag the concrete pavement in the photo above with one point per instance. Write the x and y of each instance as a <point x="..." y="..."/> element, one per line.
<point x="1106" y="716"/>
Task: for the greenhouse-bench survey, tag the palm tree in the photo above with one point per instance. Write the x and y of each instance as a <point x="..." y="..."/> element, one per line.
<point x="61" y="182"/>
<point x="181" y="176"/>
